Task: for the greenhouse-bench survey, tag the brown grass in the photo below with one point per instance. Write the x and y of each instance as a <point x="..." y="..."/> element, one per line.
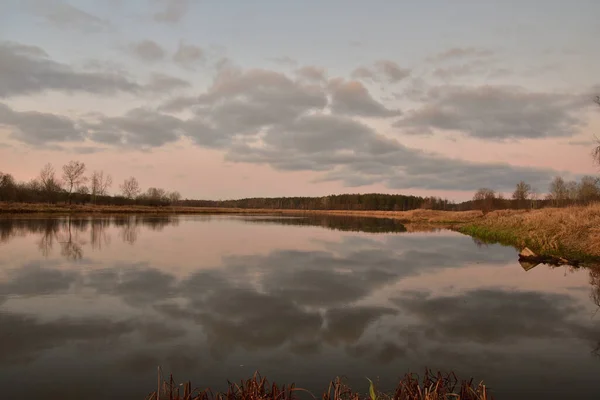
<point x="431" y="387"/>
<point x="571" y="231"/>
<point x="413" y="216"/>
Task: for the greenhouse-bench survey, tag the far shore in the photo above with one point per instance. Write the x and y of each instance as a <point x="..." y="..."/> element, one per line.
<point x="570" y="232"/>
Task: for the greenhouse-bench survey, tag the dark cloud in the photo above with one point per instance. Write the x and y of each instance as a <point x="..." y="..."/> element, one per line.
<point x="242" y="103"/>
<point x="28" y="336"/>
<point x="354" y="154"/>
<point x="495" y="112"/>
<point x="352" y="98"/>
<point x="347" y="325"/>
<point x="27" y="70"/>
<point x="188" y="55"/>
<point x="163" y="83"/>
<point x="147" y="50"/>
<point x="496" y="316"/>
<point x="171" y="11"/>
<point x="38" y="128"/>
<point x="66" y="16"/>
<point x="138" y="127"/>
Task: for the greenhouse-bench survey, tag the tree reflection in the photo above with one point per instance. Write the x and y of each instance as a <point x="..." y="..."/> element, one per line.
<point x="69" y="232"/>
<point x="70" y="241"/>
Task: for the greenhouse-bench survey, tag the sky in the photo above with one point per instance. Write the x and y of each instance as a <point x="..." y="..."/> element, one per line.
<point x="231" y="99"/>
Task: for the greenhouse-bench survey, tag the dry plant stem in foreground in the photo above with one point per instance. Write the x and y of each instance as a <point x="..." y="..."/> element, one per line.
<point x="432" y="386"/>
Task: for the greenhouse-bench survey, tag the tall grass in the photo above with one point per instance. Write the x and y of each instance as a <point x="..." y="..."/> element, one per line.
<point x="432" y="386"/>
<point x="572" y="232"/>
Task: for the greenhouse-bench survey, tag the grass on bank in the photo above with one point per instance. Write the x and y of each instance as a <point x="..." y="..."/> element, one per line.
<point x="431" y="386"/>
<point x="571" y="232"/>
<point x="420" y="216"/>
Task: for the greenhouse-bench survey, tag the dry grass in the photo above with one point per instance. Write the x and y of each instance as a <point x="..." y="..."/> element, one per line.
<point x="431" y="387"/>
<point x="570" y="231"/>
<point x="413" y="216"/>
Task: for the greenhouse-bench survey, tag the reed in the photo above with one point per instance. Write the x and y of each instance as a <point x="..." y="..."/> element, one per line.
<point x="431" y="386"/>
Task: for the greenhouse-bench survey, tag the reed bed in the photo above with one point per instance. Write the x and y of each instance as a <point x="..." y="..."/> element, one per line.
<point x="431" y="386"/>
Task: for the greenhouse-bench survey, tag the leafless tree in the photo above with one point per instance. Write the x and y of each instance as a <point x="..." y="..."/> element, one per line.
<point x="484" y="199"/>
<point x="521" y="193"/>
<point x="130" y="188"/>
<point x="156" y="194"/>
<point x="48" y="182"/>
<point x="174" y="197"/>
<point x="99" y="184"/>
<point x="73" y="175"/>
<point x="559" y="191"/>
<point x="588" y="189"/>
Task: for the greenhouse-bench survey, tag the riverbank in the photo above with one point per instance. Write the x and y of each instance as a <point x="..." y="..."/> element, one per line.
<point x="413" y="216"/>
<point x="571" y="232"/>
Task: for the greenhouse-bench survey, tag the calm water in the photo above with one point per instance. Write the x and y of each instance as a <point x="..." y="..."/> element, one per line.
<point x="90" y="307"/>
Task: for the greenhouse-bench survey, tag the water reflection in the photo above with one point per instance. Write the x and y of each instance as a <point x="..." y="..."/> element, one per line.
<point x="73" y="233"/>
<point x="346" y="303"/>
<point x="336" y="222"/>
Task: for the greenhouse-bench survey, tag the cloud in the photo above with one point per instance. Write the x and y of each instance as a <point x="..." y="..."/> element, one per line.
<point x="382" y="71"/>
<point x="138" y="127"/>
<point x="243" y="103"/>
<point x="187" y="55"/>
<point x="38" y="128"/>
<point x="148" y="50"/>
<point x="353" y="98"/>
<point x="496" y="316"/>
<point x="312" y="73"/>
<point x="461" y="53"/>
<point x="172" y="11"/>
<point x="27" y="70"/>
<point x="391" y="71"/>
<point x="495" y="112"/>
<point x="354" y="154"/>
<point x="362" y="73"/>
<point x="163" y="83"/>
<point x="66" y="16"/>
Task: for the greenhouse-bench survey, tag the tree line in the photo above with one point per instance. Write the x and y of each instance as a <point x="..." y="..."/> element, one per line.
<point x="561" y="193"/>
<point x="73" y="186"/>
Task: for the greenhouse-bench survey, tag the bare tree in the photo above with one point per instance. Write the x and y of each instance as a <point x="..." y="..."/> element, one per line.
<point x="521" y="193"/>
<point x="174" y="197"/>
<point x="588" y="189"/>
<point x="48" y="182"/>
<point x="559" y="191"/>
<point x="130" y="188"/>
<point x="73" y="175"/>
<point x="572" y="190"/>
<point x="534" y="196"/>
<point x="99" y="184"/>
<point x="484" y="198"/>
<point x="156" y="194"/>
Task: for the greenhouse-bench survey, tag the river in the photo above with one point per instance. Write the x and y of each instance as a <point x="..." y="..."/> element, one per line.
<point x="90" y="306"/>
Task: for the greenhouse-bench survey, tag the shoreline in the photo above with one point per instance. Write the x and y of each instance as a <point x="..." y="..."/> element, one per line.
<point x="570" y="232"/>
